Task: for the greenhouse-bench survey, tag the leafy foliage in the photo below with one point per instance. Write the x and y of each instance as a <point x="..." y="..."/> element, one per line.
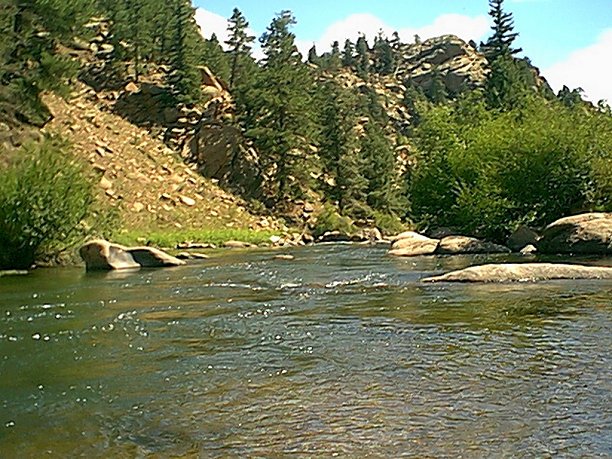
<point x="485" y="172"/>
<point x="45" y="196"/>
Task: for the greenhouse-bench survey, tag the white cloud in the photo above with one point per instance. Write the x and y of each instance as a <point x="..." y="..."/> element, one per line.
<point x="589" y="68"/>
<point x="211" y="23"/>
<point x="465" y="27"/>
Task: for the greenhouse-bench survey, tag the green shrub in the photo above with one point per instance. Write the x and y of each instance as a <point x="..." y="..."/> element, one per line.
<point x="485" y="172"/>
<point x="330" y="220"/>
<point x="45" y="196"/>
<point x="389" y="224"/>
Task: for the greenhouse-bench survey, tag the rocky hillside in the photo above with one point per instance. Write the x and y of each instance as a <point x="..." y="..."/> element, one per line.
<point x="146" y="181"/>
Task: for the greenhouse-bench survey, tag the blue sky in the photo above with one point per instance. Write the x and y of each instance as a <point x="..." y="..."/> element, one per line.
<point x="569" y="40"/>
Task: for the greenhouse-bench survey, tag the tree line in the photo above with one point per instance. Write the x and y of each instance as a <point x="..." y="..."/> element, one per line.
<point x="315" y="134"/>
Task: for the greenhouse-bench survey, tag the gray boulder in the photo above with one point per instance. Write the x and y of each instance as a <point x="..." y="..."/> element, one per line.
<point x="410" y="244"/>
<point x="100" y="255"/>
<point x="453" y="245"/>
<point x="523" y="272"/>
<point x="150" y="257"/>
<point x="522" y="237"/>
<point x="589" y="233"/>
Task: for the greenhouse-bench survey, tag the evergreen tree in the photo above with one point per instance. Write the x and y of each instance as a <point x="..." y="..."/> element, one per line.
<point x="363" y="60"/>
<point x="131" y="31"/>
<point x="508" y="81"/>
<point x="500" y="43"/>
<point x="570" y="98"/>
<point x="380" y="171"/>
<point x="437" y="92"/>
<point x="277" y="111"/>
<point x="338" y="148"/>
<point x="348" y="54"/>
<point x="184" y="77"/>
<point x="332" y="60"/>
<point x="29" y="63"/>
<point x="239" y="47"/>
<point x="384" y="60"/>
<point x="215" y="58"/>
<point x="414" y="100"/>
<point x="313" y="57"/>
<point x="395" y="41"/>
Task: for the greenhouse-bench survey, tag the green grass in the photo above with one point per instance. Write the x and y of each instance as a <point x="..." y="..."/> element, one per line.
<point x="171" y="238"/>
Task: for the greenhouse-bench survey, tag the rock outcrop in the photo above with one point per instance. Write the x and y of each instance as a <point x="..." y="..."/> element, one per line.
<point x="589" y="233"/>
<point x="458" y="63"/>
<point x="101" y="255"/>
<point x="523" y="272"/>
<point x="452" y="245"/>
<point x="410" y="244"/>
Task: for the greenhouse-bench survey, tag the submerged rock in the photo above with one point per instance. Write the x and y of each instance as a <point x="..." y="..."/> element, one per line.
<point x="589" y="233"/>
<point x="453" y="245"/>
<point x="523" y="272"/>
<point x="103" y="255"/>
<point x="410" y="244"/>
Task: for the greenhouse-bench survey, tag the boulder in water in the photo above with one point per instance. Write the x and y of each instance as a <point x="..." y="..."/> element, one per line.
<point x="523" y="272"/>
<point x="410" y="244"/>
<point x="589" y="233"/>
<point x="105" y="256"/>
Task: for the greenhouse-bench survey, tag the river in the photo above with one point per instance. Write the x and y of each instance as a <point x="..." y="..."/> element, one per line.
<point x="340" y="352"/>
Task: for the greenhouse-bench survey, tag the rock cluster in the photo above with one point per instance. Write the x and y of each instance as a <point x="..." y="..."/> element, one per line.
<point x="409" y="244"/>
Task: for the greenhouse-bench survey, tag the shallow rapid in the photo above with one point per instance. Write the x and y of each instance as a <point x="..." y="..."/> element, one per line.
<point x="338" y="352"/>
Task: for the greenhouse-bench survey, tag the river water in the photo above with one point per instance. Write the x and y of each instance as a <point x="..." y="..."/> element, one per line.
<point x="340" y="352"/>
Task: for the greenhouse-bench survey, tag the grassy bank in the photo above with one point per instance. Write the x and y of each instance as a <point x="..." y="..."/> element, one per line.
<point x="171" y="238"/>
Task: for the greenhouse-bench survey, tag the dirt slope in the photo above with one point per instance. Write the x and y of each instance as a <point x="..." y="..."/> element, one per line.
<point x="149" y="183"/>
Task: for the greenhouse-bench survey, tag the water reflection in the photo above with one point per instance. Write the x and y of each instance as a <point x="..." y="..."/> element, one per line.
<point x="340" y="351"/>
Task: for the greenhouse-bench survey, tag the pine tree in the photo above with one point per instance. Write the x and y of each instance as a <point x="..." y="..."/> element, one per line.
<point x="380" y="171"/>
<point x="332" y="60"/>
<point x="277" y="111"/>
<point x="29" y="63"/>
<point x="437" y="92"/>
<point x="384" y="60"/>
<point x="313" y="57"/>
<point x="215" y="58"/>
<point x="338" y="148"/>
<point x="500" y="43"/>
<point x="363" y="59"/>
<point x="184" y="77"/>
<point x="131" y="30"/>
<point x="239" y="47"/>
<point x="348" y="54"/>
<point x="507" y="81"/>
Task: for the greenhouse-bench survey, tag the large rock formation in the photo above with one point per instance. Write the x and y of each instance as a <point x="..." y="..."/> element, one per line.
<point x="523" y="272"/>
<point x="458" y="63"/>
<point x="589" y="233"/>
